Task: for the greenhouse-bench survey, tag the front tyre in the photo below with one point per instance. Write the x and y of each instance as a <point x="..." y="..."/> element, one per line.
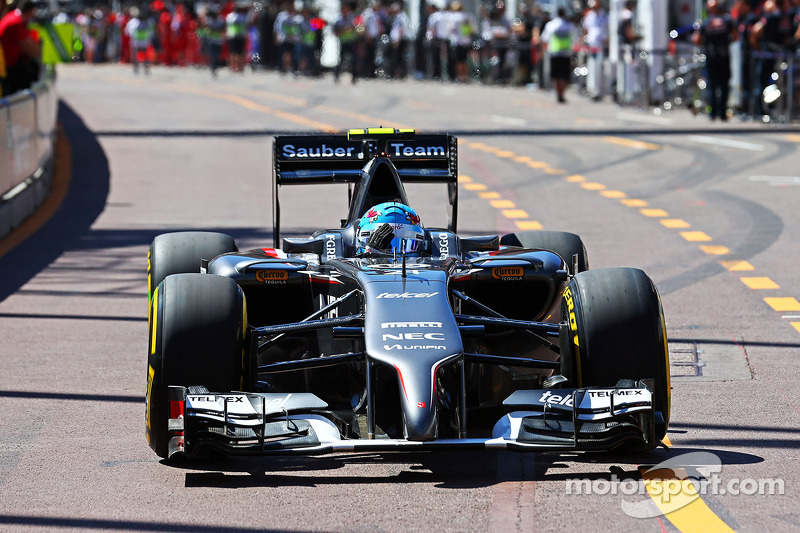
<point x="196" y="338"/>
<point x="616" y="332"/>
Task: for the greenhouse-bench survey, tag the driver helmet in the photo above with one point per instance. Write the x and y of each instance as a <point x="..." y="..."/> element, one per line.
<point x="409" y="235"/>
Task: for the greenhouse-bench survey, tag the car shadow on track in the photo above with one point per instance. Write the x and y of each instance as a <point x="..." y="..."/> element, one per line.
<point x="447" y="470"/>
<point x="451" y="470"/>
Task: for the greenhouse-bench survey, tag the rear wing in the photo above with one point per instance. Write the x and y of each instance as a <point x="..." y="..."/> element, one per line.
<point x="341" y="158"/>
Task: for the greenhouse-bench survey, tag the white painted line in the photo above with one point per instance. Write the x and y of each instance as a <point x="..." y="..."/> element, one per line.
<point x="726" y="142"/>
<point x="630" y="117"/>
<point x="791" y="317"/>
<point x="514" y="121"/>
<point x="777" y="181"/>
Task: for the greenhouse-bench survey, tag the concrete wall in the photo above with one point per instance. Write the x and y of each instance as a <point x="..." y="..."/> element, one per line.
<point x="27" y="136"/>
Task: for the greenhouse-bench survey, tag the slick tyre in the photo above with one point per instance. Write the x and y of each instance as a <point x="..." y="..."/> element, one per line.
<point x="564" y="244"/>
<point x="196" y="338"/>
<point x="616" y="332"/>
<point x="182" y="252"/>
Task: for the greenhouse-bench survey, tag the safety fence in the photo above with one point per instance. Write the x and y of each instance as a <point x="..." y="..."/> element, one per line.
<point x="27" y="139"/>
<point x="764" y="87"/>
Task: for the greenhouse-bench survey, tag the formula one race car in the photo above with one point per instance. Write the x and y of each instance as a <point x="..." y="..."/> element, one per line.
<point x="383" y="335"/>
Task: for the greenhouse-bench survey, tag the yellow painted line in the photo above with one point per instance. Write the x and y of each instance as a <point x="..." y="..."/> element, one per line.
<point x="591" y="186"/>
<point x="654" y="213"/>
<point x="630" y="143"/>
<point x="613" y="194"/>
<point x="505" y="153"/>
<point x="62" y="174"/>
<point x="290" y="117"/>
<point x="475" y="187"/>
<point x="695" y="236"/>
<point x="300" y="102"/>
<point x="783" y="303"/>
<point x="537" y="164"/>
<point x="522" y="159"/>
<point x="465" y="179"/>
<point x="760" y="283"/>
<point x="678" y="500"/>
<point x="501" y="204"/>
<point x="477" y="146"/>
<point x="515" y="213"/>
<point x="254" y="106"/>
<point x="554" y="171"/>
<point x="489" y="194"/>
<point x="492" y="149"/>
<point x="633" y="202"/>
<point x="575" y="178"/>
<point x="793" y="137"/>
<point x="675" y="223"/>
<point x="533" y="225"/>
<point x="736" y="265"/>
<point x="796" y="326"/>
<point x="715" y="249"/>
<point x="666" y="441"/>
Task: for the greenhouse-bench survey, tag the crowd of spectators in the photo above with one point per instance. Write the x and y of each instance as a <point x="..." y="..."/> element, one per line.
<point x="375" y="39"/>
<point x="19" y="49"/>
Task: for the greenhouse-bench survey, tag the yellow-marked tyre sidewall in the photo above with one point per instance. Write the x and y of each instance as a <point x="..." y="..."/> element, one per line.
<point x="619" y="331"/>
<point x="196" y="338"/>
<point x="155" y="401"/>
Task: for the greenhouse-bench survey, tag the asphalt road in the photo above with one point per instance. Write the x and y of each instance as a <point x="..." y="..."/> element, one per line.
<point x="709" y="211"/>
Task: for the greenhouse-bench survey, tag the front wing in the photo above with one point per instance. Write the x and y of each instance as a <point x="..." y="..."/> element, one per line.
<point x="595" y="418"/>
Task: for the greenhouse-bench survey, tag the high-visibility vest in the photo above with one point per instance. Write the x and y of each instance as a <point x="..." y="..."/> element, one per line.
<point x="560" y="43"/>
<point x="236" y="30"/>
<point x="57" y="40"/>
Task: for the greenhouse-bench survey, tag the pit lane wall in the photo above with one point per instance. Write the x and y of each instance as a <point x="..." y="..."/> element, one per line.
<point x="27" y="138"/>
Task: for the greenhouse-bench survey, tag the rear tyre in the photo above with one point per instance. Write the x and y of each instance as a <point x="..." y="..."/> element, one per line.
<point x="616" y="332"/>
<point x="196" y="338"/>
<point x="561" y="242"/>
<point x="182" y="252"/>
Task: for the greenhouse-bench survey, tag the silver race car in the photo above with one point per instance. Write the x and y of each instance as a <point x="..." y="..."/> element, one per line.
<point x="383" y="334"/>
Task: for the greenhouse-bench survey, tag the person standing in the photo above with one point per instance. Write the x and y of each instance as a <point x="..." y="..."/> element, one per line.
<point x="464" y="28"/>
<point x="557" y="36"/>
<point x="236" y="34"/>
<point x="497" y="30"/>
<point x="399" y="37"/>
<point x="373" y="21"/>
<point x="524" y="28"/>
<point x="214" y="35"/>
<point x="3" y="82"/>
<point x="772" y="36"/>
<point x="345" y="30"/>
<point x="436" y="35"/>
<point x="287" y="37"/>
<point x="21" y="51"/>
<point x="715" y="35"/>
<point x="595" y="28"/>
<point x="140" y="32"/>
<point x="745" y="21"/>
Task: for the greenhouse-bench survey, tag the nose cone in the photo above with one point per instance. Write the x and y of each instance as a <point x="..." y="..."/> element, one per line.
<point x="419" y="402"/>
<point x="410" y="326"/>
